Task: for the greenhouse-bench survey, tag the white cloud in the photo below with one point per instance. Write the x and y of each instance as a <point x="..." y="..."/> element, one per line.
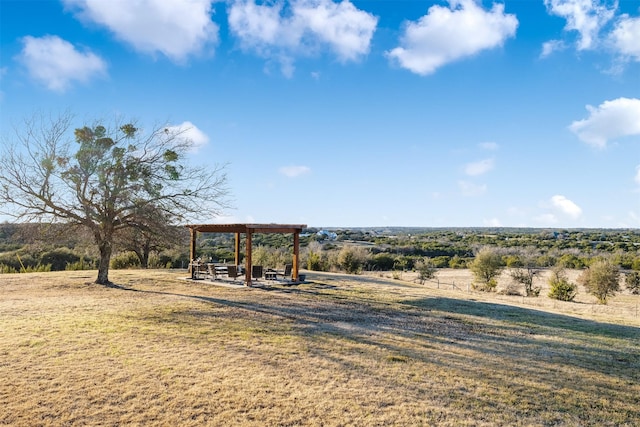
<point x="552" y="46"/>
<point x="347" y="30"/>
<point x="611" y="119"/>
<point x="190" y="132"/>
<point x="294" y="171"/>
<point x="587" y="17"/>
<point x="489" y="146"/>
<point x="625" y="37"/>
<point x="566" y="206"/>
<point x="447" y="34"/>
<point x="57" y="63"/>
<point x="471" y="189"/>
<point x="280" y="33"/>
<point x="479" y="168"/>
<point x="175" y="28"/>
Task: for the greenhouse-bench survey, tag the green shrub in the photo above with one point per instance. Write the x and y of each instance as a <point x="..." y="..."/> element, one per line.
<point x="382" y="262"/>
<point x="7" y="269"/>
<point x="561" y="288"/>
<point x="40" y="268"/>
<point x="351" y="259"/>
<point x="58" y="258"/>
<point x="512" y="261"/>
<point x="632" y="281"/>
<point x="81" y="264"/>
<point x="456" y="262"/>
<point x="125" y="260"/>
<point x="314" y="261"/>
<point x="486" y="267"/>
<point x="426" y="270"/>
<point x="601" y="279"/>
<point x="570" y="261"/>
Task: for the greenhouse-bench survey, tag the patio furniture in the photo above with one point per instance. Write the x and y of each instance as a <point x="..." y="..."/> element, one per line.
<point x="256" y="272"/>
<point x="286" y="273"/>
<point x="232" y="272"/>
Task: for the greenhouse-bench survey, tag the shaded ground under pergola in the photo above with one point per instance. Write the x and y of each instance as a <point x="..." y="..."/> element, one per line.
<point x="248" y="230"/>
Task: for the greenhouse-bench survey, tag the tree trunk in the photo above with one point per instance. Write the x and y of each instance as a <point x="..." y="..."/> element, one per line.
<point x="105" y="259"/>
<point x="146" y="248"/>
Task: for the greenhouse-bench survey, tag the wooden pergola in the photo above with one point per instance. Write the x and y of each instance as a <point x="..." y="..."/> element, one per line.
<point x="248" y="230"/>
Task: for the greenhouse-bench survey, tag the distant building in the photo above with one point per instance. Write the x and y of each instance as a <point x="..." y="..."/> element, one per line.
<point x="329" y="235"/>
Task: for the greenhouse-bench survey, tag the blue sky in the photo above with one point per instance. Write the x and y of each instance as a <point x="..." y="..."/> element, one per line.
<point x="521" y="113"/>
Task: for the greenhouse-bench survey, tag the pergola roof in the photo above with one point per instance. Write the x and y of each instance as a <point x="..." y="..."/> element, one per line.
<point x="247" y="228"/>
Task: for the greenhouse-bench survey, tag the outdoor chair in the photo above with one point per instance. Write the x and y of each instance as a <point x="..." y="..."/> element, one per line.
<point x="256" y="272"/>
<point x="212" y="271"/>
<point x="232" y="272"/>
<point x="286" y="273"/>
<point x="201" y="270"/>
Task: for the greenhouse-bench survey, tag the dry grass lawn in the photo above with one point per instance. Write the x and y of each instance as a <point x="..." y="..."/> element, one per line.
<point x="335" y="351"/>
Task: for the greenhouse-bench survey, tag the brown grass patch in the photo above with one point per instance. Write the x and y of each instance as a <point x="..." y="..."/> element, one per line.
<point x="338" y="350"/>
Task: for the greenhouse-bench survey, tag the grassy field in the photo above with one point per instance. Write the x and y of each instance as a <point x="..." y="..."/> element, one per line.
<point x="335" y="351"/>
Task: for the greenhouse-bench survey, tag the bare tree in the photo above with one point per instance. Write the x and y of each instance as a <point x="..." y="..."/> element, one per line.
<point x="155" y="231"/>
<point x="108" y="181"/>
<point x="526" y="272"/>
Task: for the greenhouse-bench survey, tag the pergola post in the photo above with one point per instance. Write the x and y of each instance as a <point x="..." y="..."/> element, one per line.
<point x="192" y="248"/>
<point x="296" y="253"/>
<point x="247" y="269"/>
<point x="237" y="252"/>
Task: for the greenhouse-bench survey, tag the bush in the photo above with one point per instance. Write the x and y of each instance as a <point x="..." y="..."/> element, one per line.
<point x="426" y="270"/>
<point x="59" y="258"/>
<point x="525" y="276"/>
<point x="351" y="259"/>
<point x="125" y="260"/>
<point x="632" y="281"/>
<point x="40" y="268"/>
<point x="561" y="288"/>
<point x="486" y="266"/>
<point x="81" y="264"/>
<point x="7" y="269"/>
<point x="601" y="279"/>
<point x="511" y="289"/>
<point x="314" y="261"/>
<point x="512" y="261"/>
<point x="457" y="262"/>
<point x="382" y="262"/>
